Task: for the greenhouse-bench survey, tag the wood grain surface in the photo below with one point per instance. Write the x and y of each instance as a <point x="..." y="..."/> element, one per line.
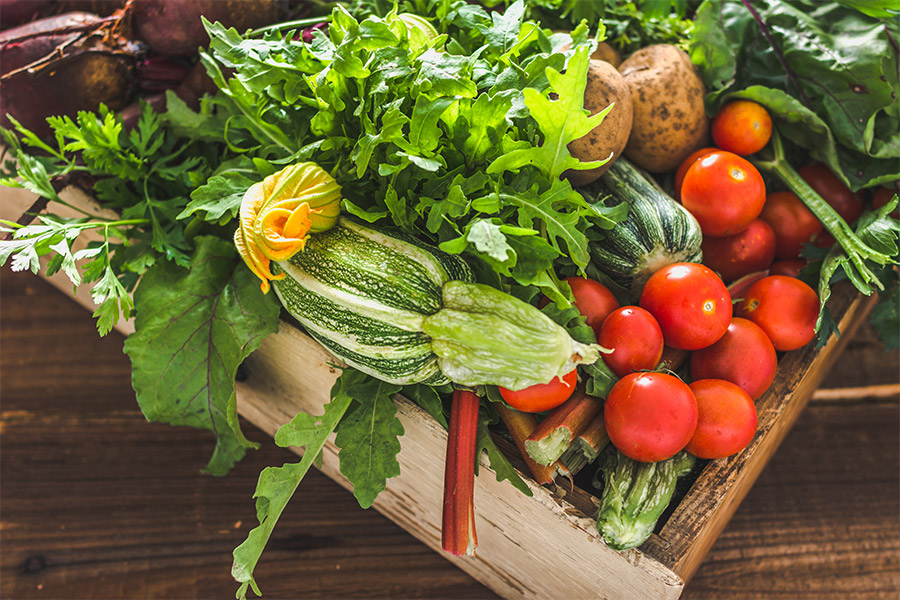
<point x="97" y="503"/>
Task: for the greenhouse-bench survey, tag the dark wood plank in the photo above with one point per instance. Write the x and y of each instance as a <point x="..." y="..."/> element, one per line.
<point x="97" y="503"/>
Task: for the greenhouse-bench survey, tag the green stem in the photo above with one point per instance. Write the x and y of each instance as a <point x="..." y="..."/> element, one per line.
<point x="857" y="250"/>
<point x="297" y="23"/>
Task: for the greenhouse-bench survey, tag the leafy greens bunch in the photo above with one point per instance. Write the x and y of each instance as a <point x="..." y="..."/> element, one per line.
<point x="455" y="139"/>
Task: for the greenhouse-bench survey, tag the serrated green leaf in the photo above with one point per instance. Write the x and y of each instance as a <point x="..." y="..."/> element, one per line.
<point x="499" y="463"/>
<point x="488" y="239"/>
<point x="562" y="225"/>
<point x="193" y="329"/>
<point x="562" y="120"/>
<point x="368" y="437"/>
<point x="276" y="485"/>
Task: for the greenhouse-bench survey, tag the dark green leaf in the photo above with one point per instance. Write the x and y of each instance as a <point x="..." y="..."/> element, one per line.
<point x="368" y="437"/>
<point x="193" y="329"/>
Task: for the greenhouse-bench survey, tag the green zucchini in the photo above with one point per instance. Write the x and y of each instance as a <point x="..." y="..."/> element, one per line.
<point x="405" y="312"/>
<point x="363" y="294"/>
<point x="657" y="232"/>
<point x="635" y="494"/>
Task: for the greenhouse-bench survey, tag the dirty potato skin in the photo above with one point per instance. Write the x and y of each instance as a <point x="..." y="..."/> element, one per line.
<point x="669" y="119"/>
<point x="604" y="86"/>
<point x="607" y="53"/>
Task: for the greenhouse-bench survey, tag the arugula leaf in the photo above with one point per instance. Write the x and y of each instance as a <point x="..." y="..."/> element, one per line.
<point x="368" y="436"/>
<point x="499" y="463"/>
<point x="276" y="485"/>
<point x="561" y="120"/>
<point x="562" y="226"/>
<point x="193" y="329"/>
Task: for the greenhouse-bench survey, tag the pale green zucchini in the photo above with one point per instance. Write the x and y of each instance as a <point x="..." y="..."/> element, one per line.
<point x="405" y="312"/>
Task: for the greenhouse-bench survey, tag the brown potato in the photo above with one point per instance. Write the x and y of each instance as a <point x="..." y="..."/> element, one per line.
<point x="669" y="118"/>
<point x="603" y="52"/>
<point x="607" y="53"/>
<point x="604" y="86"/>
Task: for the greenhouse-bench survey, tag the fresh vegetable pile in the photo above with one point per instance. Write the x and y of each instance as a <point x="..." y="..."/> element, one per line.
<point x="475" y="211"/>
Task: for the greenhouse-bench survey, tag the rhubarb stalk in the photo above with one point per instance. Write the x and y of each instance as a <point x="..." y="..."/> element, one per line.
<point x="521" y="425"/>
<point x="458" y="521"/>
<point x="553" y="436"/>
<point x="587" y="446"/>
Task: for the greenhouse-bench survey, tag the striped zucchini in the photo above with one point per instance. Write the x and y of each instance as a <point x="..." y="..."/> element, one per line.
<point x="363" y="294"/>
<point x="405" y="312"/>
<point x="657" y="232"/>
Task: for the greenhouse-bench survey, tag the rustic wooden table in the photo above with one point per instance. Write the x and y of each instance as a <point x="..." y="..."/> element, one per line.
<point x="97" y="503"/>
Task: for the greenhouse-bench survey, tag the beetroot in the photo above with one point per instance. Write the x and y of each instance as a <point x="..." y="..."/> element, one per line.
<point x="174" y="28"/>
<point x="16" y="12"/>
<point x="63" y="64"/>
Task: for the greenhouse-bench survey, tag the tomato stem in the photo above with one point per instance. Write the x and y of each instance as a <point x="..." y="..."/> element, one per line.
<point x="521" y="425"/>
<point x="458" y="520"/>
<point x="555" y="433"/>
<point x="857" y="250"/>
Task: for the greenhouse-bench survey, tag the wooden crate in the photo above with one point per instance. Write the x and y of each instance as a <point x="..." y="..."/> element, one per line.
<point x="547" y="545"/>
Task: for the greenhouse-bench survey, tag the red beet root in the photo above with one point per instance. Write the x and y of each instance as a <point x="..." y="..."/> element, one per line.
<point x="63" y="64"/>
<point x="174" y="28"/>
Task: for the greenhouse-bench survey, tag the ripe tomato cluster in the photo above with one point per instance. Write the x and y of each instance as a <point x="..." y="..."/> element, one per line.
<point x="745" y="229"/>
<point x="752" y="240"/>
<point x="649" y="414"/>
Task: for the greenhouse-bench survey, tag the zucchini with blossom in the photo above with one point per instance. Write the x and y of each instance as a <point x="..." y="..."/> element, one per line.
<point x="387" y="304"/>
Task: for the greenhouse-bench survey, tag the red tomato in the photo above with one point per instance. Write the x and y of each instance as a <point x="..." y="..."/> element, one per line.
<point x="833" y="191"/>
<point x="650" y="416"/>
<point x="785" y="308"/>
<point x="683" y="167"/>
<point x="789" y="267"/>
<point x="793" y="223"/>
<point x="635" y="339"/>
<point x="726" y="419"/>
<point x="744" y="356"/>
<point x="742" y="127"/>
<point x="593" y="300"/>
<point x="724" y="192"/>
<point x="542" y="396"/>
<point x="690" y="303"/>
<point x="737" y="255"/>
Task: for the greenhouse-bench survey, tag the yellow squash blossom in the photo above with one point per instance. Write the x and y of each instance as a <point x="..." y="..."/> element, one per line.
<point x="279" y="212"/>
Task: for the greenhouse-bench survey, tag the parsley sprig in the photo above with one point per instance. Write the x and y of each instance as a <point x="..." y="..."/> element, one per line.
<point x="145" y="175"/>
